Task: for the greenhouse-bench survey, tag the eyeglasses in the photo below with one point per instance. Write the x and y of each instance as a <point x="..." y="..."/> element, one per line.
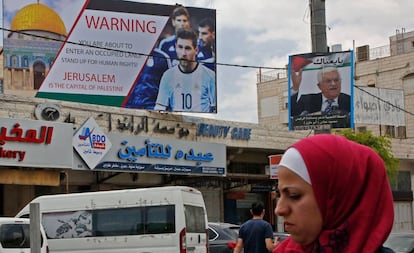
<point x="336" y="80"/>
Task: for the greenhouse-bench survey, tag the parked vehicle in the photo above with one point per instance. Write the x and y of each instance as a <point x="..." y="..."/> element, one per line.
<point x="222" y="237"/>
<point x="282" y="235"/>
<point x="15" y="236"/>
<point x="401" y="242"/>
<point x="157" y="220"/>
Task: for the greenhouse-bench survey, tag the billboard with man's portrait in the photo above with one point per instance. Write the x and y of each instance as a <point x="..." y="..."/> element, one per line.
<point x="111" y="52"/>
<point x="320" y="91"/>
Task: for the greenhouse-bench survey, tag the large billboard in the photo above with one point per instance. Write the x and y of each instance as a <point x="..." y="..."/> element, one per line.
<point x="379" y="106"/>
<point x="115" y="53"/>
<point x="320" y="91"/>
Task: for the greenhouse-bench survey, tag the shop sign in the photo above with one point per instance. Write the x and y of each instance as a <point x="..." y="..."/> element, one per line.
<point x="160" y="155"/>
<point x="274" y="161"/>
<point x="236" y="195"/>
<point x="34" y="143"/>
<point x="91" y="142"/>
<point x="236" y="133"/>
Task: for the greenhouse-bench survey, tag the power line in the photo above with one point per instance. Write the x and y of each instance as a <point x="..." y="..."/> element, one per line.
<point x="129" y="52"/>
<point x="384" y="101"/>
<point x="221" y="64"/>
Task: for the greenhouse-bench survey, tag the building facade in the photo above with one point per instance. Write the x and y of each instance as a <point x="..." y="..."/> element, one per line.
<point x="385" y="71"/>
<point x="228" y="196"/>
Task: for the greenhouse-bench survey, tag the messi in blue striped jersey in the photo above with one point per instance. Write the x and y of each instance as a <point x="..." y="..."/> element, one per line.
<point x="145" y="90"/>
<point x="188" y="86"/>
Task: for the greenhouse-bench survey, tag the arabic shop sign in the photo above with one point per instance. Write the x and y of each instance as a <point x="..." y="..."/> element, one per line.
<point x="159" y="155"/>
<point x="236" y="133"/>
<point x="91" y="142"/>
<point x="33" y="143"/>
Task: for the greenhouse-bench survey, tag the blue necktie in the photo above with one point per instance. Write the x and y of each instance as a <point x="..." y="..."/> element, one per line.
<point x="329" y="108"/>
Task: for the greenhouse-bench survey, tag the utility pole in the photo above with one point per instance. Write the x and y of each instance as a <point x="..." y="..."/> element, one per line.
<point x="318" y="26"/>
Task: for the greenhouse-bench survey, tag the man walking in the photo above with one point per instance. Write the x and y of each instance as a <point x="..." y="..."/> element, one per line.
<point x="256" y="234"/>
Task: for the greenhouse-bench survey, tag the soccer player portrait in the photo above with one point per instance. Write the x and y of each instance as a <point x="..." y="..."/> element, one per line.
<point x="188" y="86"/>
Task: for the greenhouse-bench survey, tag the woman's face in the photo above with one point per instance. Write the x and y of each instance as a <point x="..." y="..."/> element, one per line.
<point x="298" y="206"/>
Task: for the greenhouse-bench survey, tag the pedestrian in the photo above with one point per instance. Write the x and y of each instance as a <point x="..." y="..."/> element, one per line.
<point x="256" y="234"/>
<point x="335" y="197"/>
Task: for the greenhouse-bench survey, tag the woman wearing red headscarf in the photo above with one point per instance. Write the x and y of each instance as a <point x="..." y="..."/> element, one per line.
<point x="334" y="197"/>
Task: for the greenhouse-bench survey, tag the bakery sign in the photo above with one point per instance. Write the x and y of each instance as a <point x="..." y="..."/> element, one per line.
<point x="34" y="143"/>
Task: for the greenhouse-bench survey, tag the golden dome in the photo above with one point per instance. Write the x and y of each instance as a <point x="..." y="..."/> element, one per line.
<point x="38" y="17"/>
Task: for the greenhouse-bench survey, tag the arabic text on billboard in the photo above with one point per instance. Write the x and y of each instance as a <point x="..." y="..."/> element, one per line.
<point x="320" y="91"/>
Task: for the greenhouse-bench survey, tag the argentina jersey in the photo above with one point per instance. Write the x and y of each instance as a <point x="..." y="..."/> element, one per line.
<point x="167" y="45"/>
<point x="205" y="56"/>
<point x="188" y="92"/>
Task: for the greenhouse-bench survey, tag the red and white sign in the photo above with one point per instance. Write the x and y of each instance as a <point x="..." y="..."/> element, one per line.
<point x="35" y="143"/>
<point x="274" y="161"/>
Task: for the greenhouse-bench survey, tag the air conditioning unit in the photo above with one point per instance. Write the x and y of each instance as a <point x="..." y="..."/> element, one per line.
<point x="363" y="53"/>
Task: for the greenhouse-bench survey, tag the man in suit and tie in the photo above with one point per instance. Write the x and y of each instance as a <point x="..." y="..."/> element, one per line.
<point x="330" y="101"/>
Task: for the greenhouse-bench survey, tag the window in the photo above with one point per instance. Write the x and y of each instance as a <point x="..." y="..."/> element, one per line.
<point x="403" y="182"/>
<point x="113" y="222"/>
<point x="194" y="219"/>
<point x="362" y="129"/>
<point x="401" y="132"/>
<point x="212" y="234"/>
<point x="15" y="236"/>
<point x="393" y="131"/>
<point x="389" y="130"/>
<point x="402" y="190"/>
<point x="25" y="61"/>
<point x="160" y="219"/>
<point x="14" y="61"/>
<point x="73" y="224"/>
<point x="110" y="222"/>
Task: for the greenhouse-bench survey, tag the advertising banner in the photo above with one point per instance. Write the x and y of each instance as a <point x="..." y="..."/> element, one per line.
<point x="154" y="155"/>
<point x="379" y="106"/>
<point x="320" y="91"/>
<point x="115" y="53"/>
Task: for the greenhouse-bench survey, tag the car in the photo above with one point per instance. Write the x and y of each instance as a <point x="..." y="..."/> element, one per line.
<point x="401" y="242"/>
<point x="282" y="235"/>
<point x="222" y="237"/>
<point x="15" y="236"/>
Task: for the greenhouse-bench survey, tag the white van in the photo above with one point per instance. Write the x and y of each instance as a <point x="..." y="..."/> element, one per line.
<point x="169" y="219"/>
<point x="15" y="236"/>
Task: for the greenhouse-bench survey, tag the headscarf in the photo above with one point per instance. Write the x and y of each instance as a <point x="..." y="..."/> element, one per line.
<point x="351" y="187"/>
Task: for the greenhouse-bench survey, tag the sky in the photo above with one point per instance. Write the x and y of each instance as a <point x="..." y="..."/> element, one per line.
<point x="265" y="32"/>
